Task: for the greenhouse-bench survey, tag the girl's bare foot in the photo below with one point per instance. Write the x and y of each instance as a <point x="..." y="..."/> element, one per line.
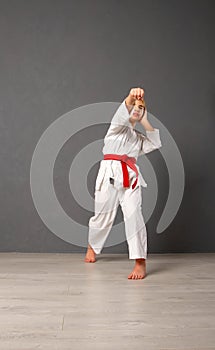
<point x="90" y="255"/>
<point x="139" y="270"/>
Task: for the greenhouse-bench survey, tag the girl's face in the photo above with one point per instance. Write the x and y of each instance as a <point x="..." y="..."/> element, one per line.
<point x="137" y="111"/>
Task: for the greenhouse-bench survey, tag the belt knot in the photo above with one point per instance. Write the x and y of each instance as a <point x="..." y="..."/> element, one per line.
<point x="124" y="157"/>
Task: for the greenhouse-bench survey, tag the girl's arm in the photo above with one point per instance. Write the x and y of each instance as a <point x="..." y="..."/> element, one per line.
<point x="152" y="140"/>
<point x="144" y="121"/>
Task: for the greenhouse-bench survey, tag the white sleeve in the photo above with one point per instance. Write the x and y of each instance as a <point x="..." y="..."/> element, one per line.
<point x="151" y="141"/>
<point x="121" y="116"/>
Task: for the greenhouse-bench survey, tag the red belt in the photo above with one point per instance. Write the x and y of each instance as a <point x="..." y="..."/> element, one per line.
<point x="125" y="160"/>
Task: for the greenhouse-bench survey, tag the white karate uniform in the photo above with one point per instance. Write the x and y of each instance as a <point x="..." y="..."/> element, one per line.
<point x="121" y="138"/>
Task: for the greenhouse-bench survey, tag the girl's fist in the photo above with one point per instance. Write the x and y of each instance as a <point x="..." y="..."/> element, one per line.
<point x="137" y="93"/>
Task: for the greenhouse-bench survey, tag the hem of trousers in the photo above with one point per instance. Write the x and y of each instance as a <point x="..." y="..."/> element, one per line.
<point x="138" y="257"/>
<point x="96" y="250"/>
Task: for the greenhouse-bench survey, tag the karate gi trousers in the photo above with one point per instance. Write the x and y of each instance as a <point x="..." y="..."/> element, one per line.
<point x="107" y="200"/>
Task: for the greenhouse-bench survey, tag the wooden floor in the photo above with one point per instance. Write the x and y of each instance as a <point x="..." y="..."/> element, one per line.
<point x="57" y="301"/>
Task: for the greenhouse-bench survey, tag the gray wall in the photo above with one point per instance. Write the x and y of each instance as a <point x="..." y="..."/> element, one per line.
<point x="58" y="55"/>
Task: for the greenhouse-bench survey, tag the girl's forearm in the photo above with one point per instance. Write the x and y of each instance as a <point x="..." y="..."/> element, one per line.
<point x="147" y="125"/>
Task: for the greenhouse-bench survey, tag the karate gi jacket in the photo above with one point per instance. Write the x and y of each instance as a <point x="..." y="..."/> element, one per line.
<point x="122" y="138"/>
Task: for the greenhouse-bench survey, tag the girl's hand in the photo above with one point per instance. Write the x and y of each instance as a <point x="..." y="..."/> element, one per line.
<point x="137" y="93"/>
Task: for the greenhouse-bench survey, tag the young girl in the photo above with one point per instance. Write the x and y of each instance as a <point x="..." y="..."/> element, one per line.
<point x="119" y="181"/>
